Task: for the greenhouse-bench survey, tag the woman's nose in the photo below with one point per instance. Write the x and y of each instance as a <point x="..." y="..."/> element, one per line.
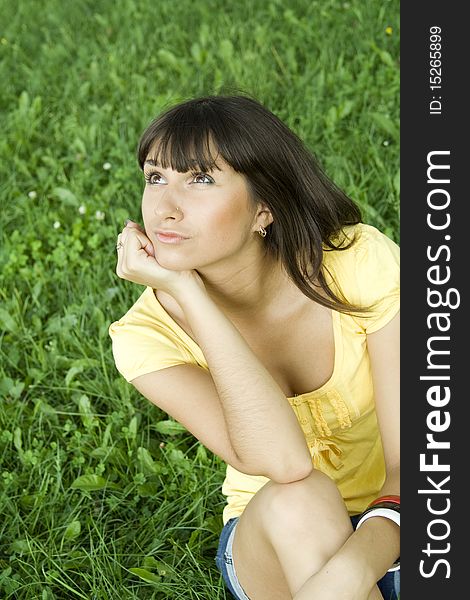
<point x="167" y="205"/>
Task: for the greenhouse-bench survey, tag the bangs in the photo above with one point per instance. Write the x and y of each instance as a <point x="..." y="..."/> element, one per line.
<point x="182" y="142"/>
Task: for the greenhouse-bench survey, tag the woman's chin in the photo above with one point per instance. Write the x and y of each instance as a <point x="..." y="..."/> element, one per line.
<point x="173" y="263"/>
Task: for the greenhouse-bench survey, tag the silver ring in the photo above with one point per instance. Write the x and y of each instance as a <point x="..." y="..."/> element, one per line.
<point x="119" y="245"/>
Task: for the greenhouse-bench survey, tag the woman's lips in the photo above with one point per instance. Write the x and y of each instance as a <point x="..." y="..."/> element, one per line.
<point x="170" y="239"/>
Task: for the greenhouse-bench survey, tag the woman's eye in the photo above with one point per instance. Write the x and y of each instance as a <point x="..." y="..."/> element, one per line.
<point x="199" y="178"/>
<point x="152" y="178"/>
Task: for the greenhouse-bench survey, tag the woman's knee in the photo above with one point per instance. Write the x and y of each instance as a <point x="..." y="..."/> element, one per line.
<point x="288" y="531"/>
<point x="305" y="504"/>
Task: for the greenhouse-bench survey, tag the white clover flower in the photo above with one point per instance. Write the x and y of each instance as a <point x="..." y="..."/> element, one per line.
<point x="385" y="142"/>
<point x="56" y="225"/>
<point x="82" y="209"/>
<point x="99" y="215"/>
<point x="32" y="194"/>
<point x="107" y="166"/>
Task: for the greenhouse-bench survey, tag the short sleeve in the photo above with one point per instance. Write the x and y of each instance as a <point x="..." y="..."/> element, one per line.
<point x="377" y="278"/>
<point x="139" y="349"/>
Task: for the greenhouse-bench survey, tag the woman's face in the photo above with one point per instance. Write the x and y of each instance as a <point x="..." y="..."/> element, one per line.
<point x="212" y="210"/>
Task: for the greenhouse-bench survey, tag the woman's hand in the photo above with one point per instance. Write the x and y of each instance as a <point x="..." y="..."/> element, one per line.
<point x="137" y="263"/>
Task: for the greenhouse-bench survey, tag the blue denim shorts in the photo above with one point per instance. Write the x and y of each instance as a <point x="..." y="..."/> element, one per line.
<point x="389" y="585"/>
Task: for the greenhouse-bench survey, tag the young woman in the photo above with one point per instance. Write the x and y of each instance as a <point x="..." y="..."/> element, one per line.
<point x="269" y="328"/>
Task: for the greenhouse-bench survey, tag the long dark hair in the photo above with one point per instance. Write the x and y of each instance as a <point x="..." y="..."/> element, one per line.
<point x="308" y="209"/>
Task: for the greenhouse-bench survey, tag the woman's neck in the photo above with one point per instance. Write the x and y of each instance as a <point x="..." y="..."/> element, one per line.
<point x="246" y="292"/>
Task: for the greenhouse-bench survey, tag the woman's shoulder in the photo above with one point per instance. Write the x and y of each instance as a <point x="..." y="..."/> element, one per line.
<point x="367" y="273"/>
<point x="360" y="245"/>
<point x="147" y="339"/>
<point x="361" y="235"/>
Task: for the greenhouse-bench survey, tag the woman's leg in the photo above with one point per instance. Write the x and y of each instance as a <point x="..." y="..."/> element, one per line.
<point x="286" y="533"/>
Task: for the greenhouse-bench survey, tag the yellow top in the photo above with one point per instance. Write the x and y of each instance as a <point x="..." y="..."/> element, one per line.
<point x="338" y="419"/>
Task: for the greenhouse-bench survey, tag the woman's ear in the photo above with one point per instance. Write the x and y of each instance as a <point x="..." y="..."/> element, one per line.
<point x="263" y="215"/>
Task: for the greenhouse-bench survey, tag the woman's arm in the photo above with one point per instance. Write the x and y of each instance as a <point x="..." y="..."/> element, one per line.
<point x="376" y="544"/>
<point x="371" y="550"/>
<point x="262" y="427"/>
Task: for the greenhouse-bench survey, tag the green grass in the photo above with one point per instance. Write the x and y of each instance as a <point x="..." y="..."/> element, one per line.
<point x="94" y="484"/>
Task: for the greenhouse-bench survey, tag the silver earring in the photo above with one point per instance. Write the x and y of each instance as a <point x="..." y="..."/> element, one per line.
<point x="262" y="231"/>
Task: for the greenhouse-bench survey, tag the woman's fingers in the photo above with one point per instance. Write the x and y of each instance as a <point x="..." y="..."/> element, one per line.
<point x="132" y="241"/>
<point x="129" y="228"/>
<point x="149" y="249"/>
<point x="136" y="240"/>
<point x="133" y="224"/>
<point x="137" y="263"/>
<point x="120" y="254"/>
<point x="136" y="259"/>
